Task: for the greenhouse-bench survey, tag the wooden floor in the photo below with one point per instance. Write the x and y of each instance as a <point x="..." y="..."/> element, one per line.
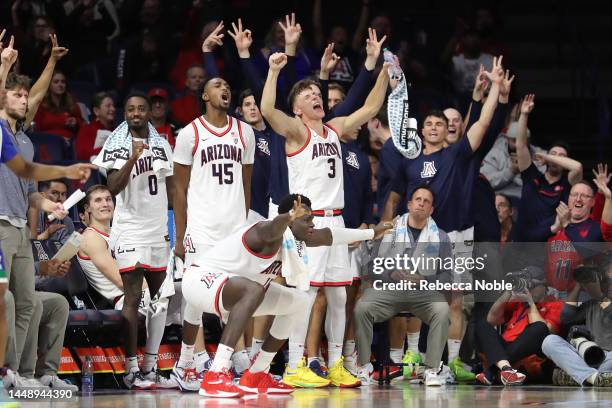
<point x="398" y="395"/>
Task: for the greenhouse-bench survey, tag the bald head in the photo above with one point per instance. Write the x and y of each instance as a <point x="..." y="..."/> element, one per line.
<point x="455" y="125"/>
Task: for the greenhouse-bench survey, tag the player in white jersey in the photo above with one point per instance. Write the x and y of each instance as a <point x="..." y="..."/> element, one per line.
<point x="213" y="162"/>
<point x="139" y="237"/>
<point x="234" y="281"/>
<point x="314" y="161"/>
<point x="100" y="268"/>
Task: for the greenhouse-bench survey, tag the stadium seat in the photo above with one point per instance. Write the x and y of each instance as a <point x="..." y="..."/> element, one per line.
<point x="86" y="318"/>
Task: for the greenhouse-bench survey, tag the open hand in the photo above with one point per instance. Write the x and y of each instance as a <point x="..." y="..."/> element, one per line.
<point x="214" y="39"/>
<point x="527" y="104"/>
<point x="496" y="75"/>
<point x="298" y="210"/>
<point x="373" y="46"/>
<point x="329" y="60"/>
<point x="242" y="38"/>
<point x="381" y="228"/>
<point x="292" y="30"/>
<point x="480" y="85"/>
<point x="602" y="179"/>
<point x="505" y="86"/>
<point x="79" y="171"/>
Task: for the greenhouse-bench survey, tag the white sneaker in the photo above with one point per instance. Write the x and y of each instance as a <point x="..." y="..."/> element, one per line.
<point x="435" y="377"/>
<point x="364" y="374"/>
<point x="350" y="363"/>
<point x="9" y="379"/>
<point x="56" y="383"/>
<point x="160" y="381"/>
<point x="134" y="380"/>
<point x="186" y="378"/>
<point x="31" y="384"/>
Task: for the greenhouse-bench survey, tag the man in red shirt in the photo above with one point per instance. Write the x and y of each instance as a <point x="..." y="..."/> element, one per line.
<point x="527" y="317"/>
<point x="91" y="137"/>
<point x="187" y="108"/>
<point x="159" y="114"/>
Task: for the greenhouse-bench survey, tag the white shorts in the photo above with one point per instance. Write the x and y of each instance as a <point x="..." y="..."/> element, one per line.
<point x="272" y="210"/>
<point x="254" y="217"/>
<point x="329" y="265"/>
<point x="355" y="258"/>
<point x="145" y="299"/>
<point x="202" y="290"/>
<point x="154" y="258"/>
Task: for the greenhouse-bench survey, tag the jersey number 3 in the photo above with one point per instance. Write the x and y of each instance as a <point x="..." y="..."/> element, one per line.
<point x="223" y="172"/>
<point x="332" y="168"/>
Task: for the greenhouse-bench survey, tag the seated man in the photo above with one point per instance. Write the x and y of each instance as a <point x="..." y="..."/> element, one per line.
<point x="527" y="317"/>
<point x="234" y="281"/>
<point x="596" y="314"/>
<point x="40" y="226"/>
<point x="102" y="273"/>
<point x="415" y="235"/>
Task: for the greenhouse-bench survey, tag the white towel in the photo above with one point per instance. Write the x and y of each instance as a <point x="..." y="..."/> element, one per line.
<point x="403" y="128"/>
<point x="118" y="148"/>
<point x="295" y="262"/>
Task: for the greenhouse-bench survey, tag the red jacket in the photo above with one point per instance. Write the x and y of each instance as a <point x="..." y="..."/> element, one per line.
<point x="86" y="138"/>
<point x="55" y="123"/>
<point x="185" y="109"/>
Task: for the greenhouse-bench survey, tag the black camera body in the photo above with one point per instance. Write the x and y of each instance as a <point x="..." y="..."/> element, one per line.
<point x="520" y="280"/>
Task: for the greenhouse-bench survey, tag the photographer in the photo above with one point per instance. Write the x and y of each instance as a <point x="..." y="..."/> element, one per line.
<point x="596" y="315"/>
<point x="527" y="317"/>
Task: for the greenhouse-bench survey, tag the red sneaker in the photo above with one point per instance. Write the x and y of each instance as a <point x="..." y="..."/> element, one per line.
<point x="219" y="384"/>
<point x="512" y="377"/>
<point x="262" y="383"/>
<point x="390" y="371"/>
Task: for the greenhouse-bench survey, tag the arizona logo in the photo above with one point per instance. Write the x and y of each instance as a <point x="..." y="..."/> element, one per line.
<point x="262" y="146"/>
<point x="209" y="278"/>
<point x="429" y="169"/>
<point x="352" y="160"/>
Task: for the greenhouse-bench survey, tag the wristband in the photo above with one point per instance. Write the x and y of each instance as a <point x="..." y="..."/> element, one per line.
<point x="347" y="235"/>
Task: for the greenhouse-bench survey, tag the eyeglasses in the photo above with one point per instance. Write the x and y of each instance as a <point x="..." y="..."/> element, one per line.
<point x="580" y="196"/>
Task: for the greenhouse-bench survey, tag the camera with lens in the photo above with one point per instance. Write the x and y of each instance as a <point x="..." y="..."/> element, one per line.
<point x="586" y="274"/>
<point x="580" y="338"/>
<point x="526" y="278"/>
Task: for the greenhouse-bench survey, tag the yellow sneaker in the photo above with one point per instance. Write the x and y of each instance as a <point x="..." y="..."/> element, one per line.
<point x="340" y="376"/>
<point x="303" y="377"/>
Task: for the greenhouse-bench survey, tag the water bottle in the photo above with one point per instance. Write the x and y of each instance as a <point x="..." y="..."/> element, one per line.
<point x="87" y="380"/>
<point x="395" y="71"/>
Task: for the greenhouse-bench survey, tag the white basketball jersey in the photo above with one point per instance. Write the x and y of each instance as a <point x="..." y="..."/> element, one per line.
<point x="232" y="255"/>
<point x="215" y="198"/>
<point x="141" y="212"/>
<point x="315" y="170"/>
<point x="96" y="279"/>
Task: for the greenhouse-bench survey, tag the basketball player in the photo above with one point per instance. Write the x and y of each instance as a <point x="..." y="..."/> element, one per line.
<point x="315" y="169"/>
<point x="102" y="272"/>
<point x="213" y="157"/>
<point x="139" y="237"/>
<point x="234" y="281"/>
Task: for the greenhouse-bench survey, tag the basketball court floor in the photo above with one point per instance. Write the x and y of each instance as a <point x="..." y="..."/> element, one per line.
<point x="397" y="395"/>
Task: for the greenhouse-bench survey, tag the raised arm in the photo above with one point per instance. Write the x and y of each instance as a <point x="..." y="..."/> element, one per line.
<point x="574" y="167"/>
<point x="39" y="89"/>
<point x="522" y="145"/>
<point x="476" y="132"/>
<point x="372" y="105"/>
<point x="96" y="249"/>
<point x="118" y="180"/>
<point x="8" y="58"/>
<point x="284" y="125"/>
<point x="214" y="39"/>
<point x="496" y="313"/>
<point x="358" y="92"/>
<point x="601" y="180"/>
<point x="340" y="236"/>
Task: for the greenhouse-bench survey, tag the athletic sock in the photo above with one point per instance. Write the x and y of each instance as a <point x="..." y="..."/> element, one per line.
<point x="200" y="360"/>
<point x="396" y="354"/>
<point x="413" y="341"/>
<point x="222" y="360"/>
<point x="149" y="362"/>
<point x="186" y="357"/>
<point x="131" y="364"/>
<point x="453" y="349"/>
<point x="241" y="361"/>
<point x="334" y="353"/>
<point x="255" y="347"/>
<point x="349" y="348"/>
<point x="262" y="361"/>
<point x="296" y="352"/>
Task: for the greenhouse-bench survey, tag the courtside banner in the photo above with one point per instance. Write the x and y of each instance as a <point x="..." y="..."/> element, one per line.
<point x="168" y="355"/>
<point x="100" y="362"/>
<point x="116" y="359"/>
<point x="67" y="363"/>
